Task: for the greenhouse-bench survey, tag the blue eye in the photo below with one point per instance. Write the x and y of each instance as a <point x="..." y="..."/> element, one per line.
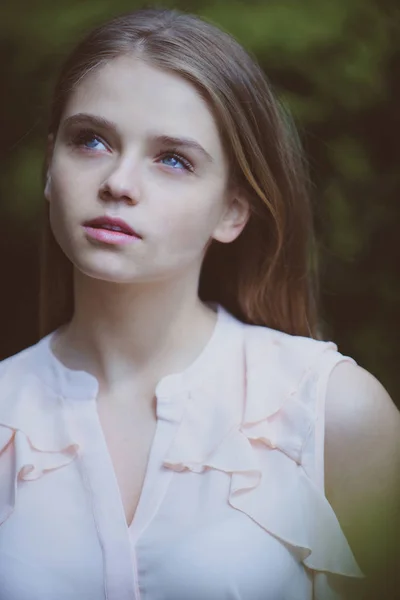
<point x="172" y="161"/>
<point x="91" y="143"/>
<point x="176" y="161"/>
<point x="86" y="138"/>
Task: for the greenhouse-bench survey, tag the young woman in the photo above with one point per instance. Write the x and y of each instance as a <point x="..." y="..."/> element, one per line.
<point x="180" y="431"/>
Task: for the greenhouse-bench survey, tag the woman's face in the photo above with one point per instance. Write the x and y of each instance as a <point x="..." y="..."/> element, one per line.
<point x="139" y="143"/>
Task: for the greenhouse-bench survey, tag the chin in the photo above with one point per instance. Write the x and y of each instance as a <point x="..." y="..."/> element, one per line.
<point x="118" y="272"/>
<point x="106" y="275"/>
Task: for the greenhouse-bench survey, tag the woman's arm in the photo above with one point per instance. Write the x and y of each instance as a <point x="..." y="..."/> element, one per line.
<point x="362" y="472"/>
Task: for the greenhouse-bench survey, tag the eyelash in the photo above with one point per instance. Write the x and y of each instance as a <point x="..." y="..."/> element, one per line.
<point x="84" y="135"/>
<point x="175" y="154"/>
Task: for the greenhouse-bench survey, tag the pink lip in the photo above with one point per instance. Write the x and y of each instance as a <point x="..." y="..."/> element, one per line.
<point x="110" y="237"/>
<point x="106" y="220"/>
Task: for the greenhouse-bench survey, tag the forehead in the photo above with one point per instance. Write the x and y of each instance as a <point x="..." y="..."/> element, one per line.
<point x="140" y="97"/>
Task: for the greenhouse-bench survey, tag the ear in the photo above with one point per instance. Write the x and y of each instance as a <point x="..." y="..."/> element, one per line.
<point x="233" y="220"/>
<point x="49" y="155"/>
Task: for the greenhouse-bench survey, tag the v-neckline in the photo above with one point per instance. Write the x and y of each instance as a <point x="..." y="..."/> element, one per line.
<point x="171" y="392"/>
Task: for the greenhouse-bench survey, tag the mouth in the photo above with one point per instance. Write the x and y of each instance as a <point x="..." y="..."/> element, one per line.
<point x="111" y="224"/>
<point x="110" y="230"/>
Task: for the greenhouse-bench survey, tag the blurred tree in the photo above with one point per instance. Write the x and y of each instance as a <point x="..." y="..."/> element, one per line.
<point x="335" y="65"/>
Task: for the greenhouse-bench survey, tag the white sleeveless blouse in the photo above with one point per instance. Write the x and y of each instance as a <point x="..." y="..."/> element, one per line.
<point x="232" y="506"/>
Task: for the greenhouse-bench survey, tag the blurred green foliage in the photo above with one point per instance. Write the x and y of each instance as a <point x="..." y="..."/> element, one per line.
<point x="335" y="64"/>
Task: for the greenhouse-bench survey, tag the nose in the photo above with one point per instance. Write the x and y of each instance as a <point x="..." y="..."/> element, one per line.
<point x="122" y="183"/>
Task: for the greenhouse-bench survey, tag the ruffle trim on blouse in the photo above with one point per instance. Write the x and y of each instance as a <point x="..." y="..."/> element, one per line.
<point x="21" y="460"/>
<point x="260" y="446"/>
<point x="33" y="436"/>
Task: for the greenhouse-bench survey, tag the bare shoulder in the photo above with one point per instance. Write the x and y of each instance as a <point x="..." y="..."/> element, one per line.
<point x="362" y="463"/>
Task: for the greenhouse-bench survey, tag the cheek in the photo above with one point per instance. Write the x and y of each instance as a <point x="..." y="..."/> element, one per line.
<point x="65" y="208"/>
<point x="61" y="206"/>
<point x="190" y="221"/>
<point x="68" y="183"/>
<point x="71" y="191"/>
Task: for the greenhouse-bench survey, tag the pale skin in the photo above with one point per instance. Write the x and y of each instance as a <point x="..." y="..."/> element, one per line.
<point x="137" y="313"/>
<point x="362" y="473"/>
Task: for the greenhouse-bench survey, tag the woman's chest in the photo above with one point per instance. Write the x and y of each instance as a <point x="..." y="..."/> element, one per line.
<point x="49" y="546"/>
<point x="129" y="437"/>
<point x="69" y="538"/>
<point x="198" y="546"/>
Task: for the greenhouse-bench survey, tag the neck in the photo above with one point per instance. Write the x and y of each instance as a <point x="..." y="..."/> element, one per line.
<point x="133" y="335"/>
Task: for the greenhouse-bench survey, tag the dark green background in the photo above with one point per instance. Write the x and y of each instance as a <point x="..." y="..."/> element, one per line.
<point x="335" y="64"/>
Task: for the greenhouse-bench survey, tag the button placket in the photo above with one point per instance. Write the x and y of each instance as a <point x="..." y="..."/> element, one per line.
<point x="107" y="506"/>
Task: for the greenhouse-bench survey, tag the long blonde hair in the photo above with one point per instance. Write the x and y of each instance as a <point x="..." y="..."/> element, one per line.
<point x="268" y="275"/>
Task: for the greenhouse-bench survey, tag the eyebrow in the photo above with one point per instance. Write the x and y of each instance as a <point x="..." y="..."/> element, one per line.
<point x="177" y="141"/>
